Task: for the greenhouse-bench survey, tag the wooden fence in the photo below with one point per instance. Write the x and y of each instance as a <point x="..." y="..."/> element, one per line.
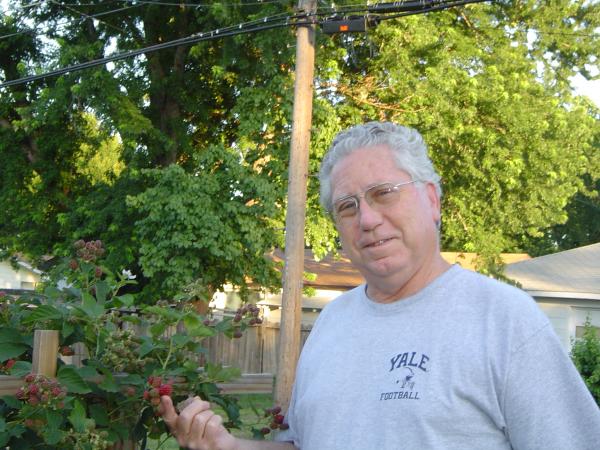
<point x="255" y="353"/>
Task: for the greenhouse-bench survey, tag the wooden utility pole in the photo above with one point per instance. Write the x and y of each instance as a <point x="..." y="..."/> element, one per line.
<point x="289" y="336"/>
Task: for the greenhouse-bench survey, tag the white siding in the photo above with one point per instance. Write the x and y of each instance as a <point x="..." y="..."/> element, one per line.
<point x="17" y="279"/>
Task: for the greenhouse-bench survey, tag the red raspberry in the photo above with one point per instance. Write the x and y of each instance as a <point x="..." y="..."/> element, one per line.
<point x="21" y="395"/>
<point x="29" y="378"/>
<point x="9" y="364"/>
<point x="146" y="395"/>
<point x="284" y="426"/>
<point x="156" y="381"/>
<point x="165" y="389"/>
<point x="278" y="418"/>
<point x="275" y="410"/>
<point x="73" y="264"/>
<point x="66" y="351"/>
<point x="265" y="430"/>
<point x="33" y="389"/>
<point x="56" y="391"/>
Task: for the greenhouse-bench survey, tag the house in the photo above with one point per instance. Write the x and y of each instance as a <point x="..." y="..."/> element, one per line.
<point x="22" y="278"/>
<point x="566" y="286"/>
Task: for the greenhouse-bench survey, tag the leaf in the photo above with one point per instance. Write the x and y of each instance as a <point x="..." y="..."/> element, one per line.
<point x="108" y="383"/>
<point x="218" y="373"/>
<point x="11" y="401"/>
<point x="52" y="433"/>
<point x="158" y="329"/>
<point x="21" y="368"/>
<point x="43" y="313"/>
<point x="167" y="313"/>
<point x="72" y="380"/>
<point x="99" y="414"/>
<point x="77" y="416"/>
<point x="180" y="340"/>
<point x="53" y="436"/>
<point x="125" y="300"/>
<point x="146" y="347"/>
<point x="67" y="329"/>
<point x="10" y="335"/>
<point x="195" y="326"/>
<point x="102" y="290"/>
<point x="88" y="372"/>
<point x="202" y="331"/>
<point x="8" y="351"/>
<point x="91" y="307"/>
<point x="54" y="419"/>
<point x="134" y="379"/>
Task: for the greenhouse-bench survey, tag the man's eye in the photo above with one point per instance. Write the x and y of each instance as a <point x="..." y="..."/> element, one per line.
<point x="346" y="206"/>
<point x="382" y="191"/>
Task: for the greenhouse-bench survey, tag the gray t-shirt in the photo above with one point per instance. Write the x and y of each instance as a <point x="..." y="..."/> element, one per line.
<point x="466" y="363"/>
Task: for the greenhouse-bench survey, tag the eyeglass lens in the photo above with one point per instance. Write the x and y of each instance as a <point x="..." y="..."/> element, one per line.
<point x="376" y="196"/>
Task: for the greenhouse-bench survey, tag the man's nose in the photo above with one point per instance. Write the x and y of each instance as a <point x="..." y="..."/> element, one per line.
<point x="368" y="216"/>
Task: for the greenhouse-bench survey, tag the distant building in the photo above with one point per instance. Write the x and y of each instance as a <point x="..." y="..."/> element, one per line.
<point x="566" y="286"/>
<point x="23" y="277"/>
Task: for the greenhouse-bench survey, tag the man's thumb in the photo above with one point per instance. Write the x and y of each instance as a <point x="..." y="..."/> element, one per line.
<point x="167" y="411"/>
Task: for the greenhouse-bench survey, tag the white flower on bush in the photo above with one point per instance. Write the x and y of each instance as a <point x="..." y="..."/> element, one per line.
<point x="127" y="274"/>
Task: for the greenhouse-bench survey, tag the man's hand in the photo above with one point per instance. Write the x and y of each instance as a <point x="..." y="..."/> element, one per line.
<point x="197" y="427"/>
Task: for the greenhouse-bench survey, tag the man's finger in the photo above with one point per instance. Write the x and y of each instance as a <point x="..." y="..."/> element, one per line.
<point x="167" y="410"/>
<point x="186" y="417"/>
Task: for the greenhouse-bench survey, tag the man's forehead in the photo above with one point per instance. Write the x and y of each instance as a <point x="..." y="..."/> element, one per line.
<point x="356" y="174"/>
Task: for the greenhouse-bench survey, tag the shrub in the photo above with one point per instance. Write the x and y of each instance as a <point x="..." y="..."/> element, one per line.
<point x="111" y="397"/>
<point x="586" y="356"/>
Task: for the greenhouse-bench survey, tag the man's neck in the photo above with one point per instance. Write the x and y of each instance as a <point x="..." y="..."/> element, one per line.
<point x="396" y="288"/>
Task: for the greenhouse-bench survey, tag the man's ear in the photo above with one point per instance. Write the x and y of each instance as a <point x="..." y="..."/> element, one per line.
<point x="434" y="202"/>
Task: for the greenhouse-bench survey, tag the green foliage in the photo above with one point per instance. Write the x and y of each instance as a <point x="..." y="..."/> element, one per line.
<point x="85" y="153"/>
<point x="586" y="356"/>
<point x="216" y="226"/>
<point x="112" y="396"/>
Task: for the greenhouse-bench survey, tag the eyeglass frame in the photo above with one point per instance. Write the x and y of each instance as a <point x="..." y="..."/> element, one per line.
<point x="363" y="194"/>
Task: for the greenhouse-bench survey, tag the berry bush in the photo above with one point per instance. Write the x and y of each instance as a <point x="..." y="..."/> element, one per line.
<point x="111" y="397"/>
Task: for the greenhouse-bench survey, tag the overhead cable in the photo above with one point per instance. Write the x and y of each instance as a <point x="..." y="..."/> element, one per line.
<point x="263" y="24"/>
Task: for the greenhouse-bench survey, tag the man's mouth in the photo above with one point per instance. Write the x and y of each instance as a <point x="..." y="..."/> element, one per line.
<point x="378" y="243"/>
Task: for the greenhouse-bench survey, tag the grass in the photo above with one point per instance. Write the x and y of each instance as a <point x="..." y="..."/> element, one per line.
<point x="252" y="408"/>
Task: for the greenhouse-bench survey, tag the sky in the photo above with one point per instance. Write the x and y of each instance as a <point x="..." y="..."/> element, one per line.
<point x="588" y="88"/>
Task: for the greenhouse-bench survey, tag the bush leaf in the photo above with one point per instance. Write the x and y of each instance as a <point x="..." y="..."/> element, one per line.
<point x="70" y="378"/>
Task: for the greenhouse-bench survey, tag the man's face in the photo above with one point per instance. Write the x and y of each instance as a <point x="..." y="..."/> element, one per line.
<point x="389" y="244"/>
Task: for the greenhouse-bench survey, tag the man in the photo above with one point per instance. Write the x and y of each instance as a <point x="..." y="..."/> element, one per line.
<point x="424" y="355"/>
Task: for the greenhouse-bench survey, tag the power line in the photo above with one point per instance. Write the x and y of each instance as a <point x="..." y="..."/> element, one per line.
<point x="266" y="23"/>
<point x="86" y="16"/>
<point x="195" y="5"/>
<point x="61" y="26"/>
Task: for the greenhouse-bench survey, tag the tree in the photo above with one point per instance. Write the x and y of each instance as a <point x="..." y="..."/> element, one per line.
<point x="487" y="84"/>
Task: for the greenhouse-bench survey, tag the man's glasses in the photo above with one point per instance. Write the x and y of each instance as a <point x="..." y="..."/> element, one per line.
<point x="378" y="197"/>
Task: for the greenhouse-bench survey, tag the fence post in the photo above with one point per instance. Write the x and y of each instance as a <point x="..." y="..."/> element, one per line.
<point x="45" y="352"/>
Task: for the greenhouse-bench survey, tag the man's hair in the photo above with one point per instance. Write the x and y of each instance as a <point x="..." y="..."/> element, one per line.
<point x="406" y="144"/>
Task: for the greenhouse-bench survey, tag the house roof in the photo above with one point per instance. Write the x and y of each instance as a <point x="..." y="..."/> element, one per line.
<point x="572" y="273"/>
<point x="338" y="273"/>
